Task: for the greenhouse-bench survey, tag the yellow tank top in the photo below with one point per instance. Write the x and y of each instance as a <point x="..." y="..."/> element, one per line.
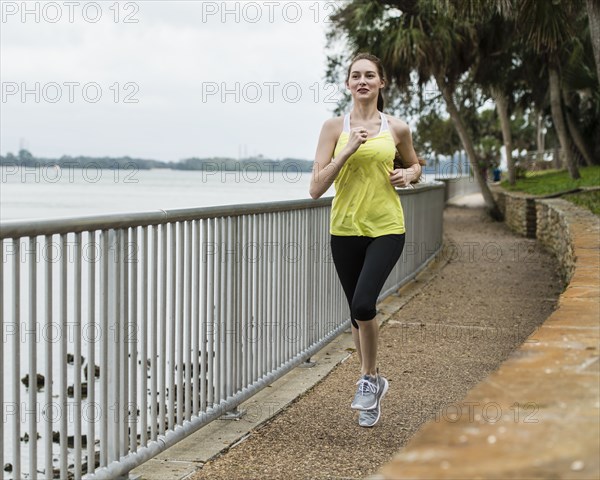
<point x="365" y="202"/>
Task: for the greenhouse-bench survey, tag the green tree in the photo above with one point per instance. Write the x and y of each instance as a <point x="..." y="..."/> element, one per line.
<point x="536" y="36"/>
<point x="496" y="65"/>
<point x="489" y="140"/>
<point x="417" y="37"/>
<point x="25" y="156"/>
<point x="496" y="70"/>
<point x="436" y="135"/>
<point x="593" y="11"/>
<point x="546" y="27"/>
<point x="580" y="93"/>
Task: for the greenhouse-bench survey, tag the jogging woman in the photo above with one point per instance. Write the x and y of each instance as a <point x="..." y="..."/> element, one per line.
<point x="357" y="152"/>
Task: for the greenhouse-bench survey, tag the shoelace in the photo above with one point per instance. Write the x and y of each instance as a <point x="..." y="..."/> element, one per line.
<point x="364" y="386"/>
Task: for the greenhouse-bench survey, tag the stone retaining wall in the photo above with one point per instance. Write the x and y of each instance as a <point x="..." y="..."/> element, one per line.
<point x="543" y="219"/>
<point x="519" y="211"/>
<point x="552" y="231"/>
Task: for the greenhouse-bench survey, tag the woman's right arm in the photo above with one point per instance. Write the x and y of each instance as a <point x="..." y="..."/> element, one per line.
<point x="326" y="168"/>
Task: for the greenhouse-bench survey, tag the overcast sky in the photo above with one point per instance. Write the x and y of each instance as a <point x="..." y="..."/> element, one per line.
<point x="164" y="80"/>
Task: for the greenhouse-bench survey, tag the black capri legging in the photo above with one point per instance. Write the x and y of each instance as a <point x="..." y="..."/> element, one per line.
<point x="363" y="265"/>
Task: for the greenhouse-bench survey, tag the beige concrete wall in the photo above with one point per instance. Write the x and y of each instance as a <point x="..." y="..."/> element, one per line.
<point x="554" y="375"/>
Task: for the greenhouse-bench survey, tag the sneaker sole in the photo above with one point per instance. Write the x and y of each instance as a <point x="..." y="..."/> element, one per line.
<point x="361" y="408"/>
<point x="386" y="386"/>
<point x="374" y="423"/>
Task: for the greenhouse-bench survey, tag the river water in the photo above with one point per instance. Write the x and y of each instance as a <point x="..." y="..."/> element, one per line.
<point x="50" y="192"/>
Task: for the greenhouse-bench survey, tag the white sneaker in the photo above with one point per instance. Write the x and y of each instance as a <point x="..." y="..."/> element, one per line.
<point x="370" y="392"/>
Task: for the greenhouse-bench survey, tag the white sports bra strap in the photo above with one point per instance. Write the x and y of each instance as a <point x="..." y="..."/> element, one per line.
<point x="384" y="123"/>
<point x="347" y="123"/>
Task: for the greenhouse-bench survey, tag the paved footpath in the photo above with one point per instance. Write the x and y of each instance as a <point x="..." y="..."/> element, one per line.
<point x="492" y="292"/>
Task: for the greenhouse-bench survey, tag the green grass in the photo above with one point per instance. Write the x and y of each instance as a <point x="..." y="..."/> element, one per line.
<point x="548" y="182"/>
<point x="589" y="200"/>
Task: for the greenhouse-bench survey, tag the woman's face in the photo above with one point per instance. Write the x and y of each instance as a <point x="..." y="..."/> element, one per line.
<point x="364" y="81"/>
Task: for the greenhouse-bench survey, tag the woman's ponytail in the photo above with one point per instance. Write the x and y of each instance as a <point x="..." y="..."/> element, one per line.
<point x="380" y="101"/>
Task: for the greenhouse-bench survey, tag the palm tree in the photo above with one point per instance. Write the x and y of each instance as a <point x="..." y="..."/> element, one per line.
<point x="496" y="71"/>
<point x="547" y="30"/>
<point x="581" y="95"/>
<point x="416" y="37"/>
<point x="593" y="11"/>
<point x="546" y="27"/>
<point x="494" y="68"/>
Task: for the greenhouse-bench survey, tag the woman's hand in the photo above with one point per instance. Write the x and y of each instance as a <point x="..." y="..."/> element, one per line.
<point x="401" y="177"/>
<point x="358" y="136"/>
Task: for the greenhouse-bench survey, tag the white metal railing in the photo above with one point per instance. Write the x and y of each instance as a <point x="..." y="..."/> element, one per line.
<point x="459" y="186"/>
<point x="147" y="326"/>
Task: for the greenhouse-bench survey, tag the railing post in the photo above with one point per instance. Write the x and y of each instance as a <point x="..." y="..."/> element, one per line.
<point x="114" y="339"/>
<point x="307" y="363"/>
<point x="233" y="414"/>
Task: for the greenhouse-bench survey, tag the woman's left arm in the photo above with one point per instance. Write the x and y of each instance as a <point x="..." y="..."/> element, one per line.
<point x="402" y="177"/>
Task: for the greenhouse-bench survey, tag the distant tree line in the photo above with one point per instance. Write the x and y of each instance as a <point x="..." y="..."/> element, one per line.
<point x="258" y="164"/>
<point x="26" y="159"/>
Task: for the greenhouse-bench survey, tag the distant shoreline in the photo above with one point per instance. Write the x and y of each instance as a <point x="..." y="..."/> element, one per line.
<point x="201" y="164"/>
<point x="25" y="159"/>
